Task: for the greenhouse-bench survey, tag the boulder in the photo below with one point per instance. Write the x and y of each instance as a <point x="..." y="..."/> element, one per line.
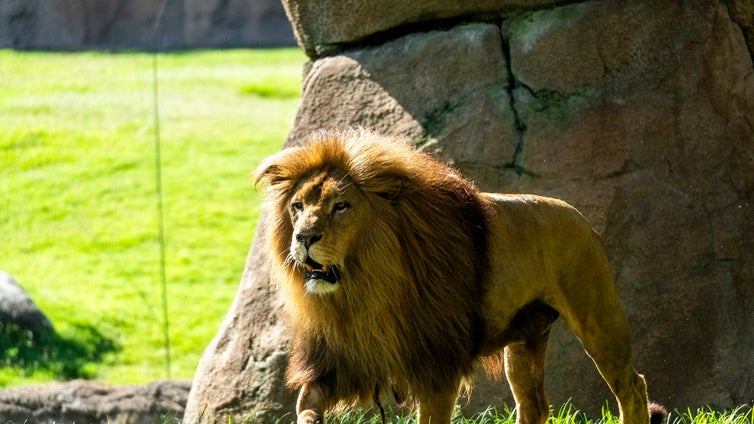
<point x="83" y="401"/>
<point x="19" y="311"/>
<point x="638" y="113"/>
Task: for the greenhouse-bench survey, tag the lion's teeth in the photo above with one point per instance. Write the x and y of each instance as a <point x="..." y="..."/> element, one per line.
<point x="309" y="267"/>
<point x="324" y="268"/>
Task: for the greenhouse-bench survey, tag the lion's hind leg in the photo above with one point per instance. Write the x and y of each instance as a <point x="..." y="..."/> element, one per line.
<point x="599" y="322"/>
<point x="587" y="299"/>
<point x="628" y="386"/>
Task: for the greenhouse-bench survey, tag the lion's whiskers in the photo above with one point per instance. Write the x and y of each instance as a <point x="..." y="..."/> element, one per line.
<point x="290" y="261"/>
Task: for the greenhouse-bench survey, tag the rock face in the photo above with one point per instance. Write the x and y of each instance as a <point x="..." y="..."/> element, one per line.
<point x="640" y="114"/>
<point x="17" y="308"/>
<point x="129" y="24"/>
<point x="91" y="402"/>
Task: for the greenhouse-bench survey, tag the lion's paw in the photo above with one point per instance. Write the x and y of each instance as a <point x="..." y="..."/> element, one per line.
<point x="309" y="417"/>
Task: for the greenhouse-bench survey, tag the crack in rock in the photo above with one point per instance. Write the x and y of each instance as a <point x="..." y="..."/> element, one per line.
<point x="512" y="85"/>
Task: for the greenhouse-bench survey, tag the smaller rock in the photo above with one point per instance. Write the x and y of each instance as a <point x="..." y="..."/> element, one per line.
<point x="17" y="308"/>
<point x="82" y="401"/>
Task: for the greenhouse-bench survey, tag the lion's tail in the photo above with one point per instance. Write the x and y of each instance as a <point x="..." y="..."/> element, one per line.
<point x="657" y="413"/>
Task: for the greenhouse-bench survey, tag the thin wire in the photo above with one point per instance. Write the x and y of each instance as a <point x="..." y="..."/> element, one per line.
<point x="158" y="188"/>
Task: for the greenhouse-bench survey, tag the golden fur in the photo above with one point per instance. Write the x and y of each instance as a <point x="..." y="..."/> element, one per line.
<point x="399" y="276"/>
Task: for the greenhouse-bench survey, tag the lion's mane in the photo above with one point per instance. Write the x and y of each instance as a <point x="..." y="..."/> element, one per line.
<point x="407" y="318"/>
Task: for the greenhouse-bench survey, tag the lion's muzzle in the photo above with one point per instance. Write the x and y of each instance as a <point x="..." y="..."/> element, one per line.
<point x="316" y="271"/>
<point x="319" y="278"/>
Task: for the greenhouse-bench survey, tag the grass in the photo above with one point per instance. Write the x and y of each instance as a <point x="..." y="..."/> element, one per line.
<point x="566" y="414"/>
<point x="78" y="207"/>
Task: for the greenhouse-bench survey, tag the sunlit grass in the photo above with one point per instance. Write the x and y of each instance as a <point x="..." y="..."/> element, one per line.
<point x="565" y="414"/>
<point x="78" y="206"/>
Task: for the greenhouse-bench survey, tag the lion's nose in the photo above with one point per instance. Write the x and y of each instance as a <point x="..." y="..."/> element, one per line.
<point x="308" y="238"/>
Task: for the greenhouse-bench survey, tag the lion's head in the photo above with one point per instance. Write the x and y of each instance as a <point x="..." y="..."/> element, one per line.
<point x="327" y="214"/>
<point x="333" y="204"/>
<point x="360" y="229"/>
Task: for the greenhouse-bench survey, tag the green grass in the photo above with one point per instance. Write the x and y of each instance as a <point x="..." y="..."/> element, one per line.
<point x="566" y="414"/>
<point x="78" y="215"/>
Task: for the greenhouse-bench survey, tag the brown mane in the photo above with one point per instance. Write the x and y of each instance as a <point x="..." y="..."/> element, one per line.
<point x="409" y="317"/>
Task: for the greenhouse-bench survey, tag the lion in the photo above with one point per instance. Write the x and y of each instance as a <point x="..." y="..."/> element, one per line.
<point x="399" y="276"/>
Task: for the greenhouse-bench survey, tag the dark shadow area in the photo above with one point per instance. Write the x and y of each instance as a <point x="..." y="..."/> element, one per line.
<point x="66" y="357"/>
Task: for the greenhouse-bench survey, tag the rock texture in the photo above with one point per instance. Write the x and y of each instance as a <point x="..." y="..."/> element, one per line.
<point x="17" y="309"/>
<point x="742" y="12"/>
<point x="130" y="24"/>
<point x="640" y="113"/>
<point x="91" y="402"/>
<point x="324" y="26"/>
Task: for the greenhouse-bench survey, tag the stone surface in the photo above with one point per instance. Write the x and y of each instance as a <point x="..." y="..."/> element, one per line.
<point x="91" y="402"/>
<point x="17" y="308"/>
<point x="742" y="12"/>
<point x="641" y="114"/>
<point x="394" y="89"/>
<point x="324" y="26"/>
<point x="130" y="24"/>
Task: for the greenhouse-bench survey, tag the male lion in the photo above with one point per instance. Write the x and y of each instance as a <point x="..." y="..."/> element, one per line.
<point x="399" y="276"/>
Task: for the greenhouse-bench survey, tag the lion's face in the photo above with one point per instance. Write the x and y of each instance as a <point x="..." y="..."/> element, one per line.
<point x="326" y="211"/>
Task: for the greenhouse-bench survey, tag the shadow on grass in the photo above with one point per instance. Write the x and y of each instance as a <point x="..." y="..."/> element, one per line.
<point x="67" y="357"/>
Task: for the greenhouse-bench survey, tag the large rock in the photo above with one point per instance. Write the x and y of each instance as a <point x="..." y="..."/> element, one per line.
<point x="91" y="402"/>
<point x="130" y="24"/>
<point x="639" y="113"/>
<point x="19" y="311"/>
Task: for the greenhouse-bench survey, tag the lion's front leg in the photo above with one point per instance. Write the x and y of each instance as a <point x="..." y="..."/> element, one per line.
<point x="438" y="408"/>
<point x="310" y="407"/>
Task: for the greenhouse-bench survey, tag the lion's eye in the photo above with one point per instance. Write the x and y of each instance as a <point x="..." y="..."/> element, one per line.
<point x="297" y="206"/>
<point x="341" y="206"/>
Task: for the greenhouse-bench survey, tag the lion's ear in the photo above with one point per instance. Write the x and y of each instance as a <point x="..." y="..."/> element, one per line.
<point x="266" y="175"/>
<point x="395" y="189"/>
<point x="386" y="185"/>
<point x="272" y="171"/>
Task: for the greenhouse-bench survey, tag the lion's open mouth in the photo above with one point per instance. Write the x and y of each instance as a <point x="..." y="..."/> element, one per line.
<point x="317" y="271"/>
